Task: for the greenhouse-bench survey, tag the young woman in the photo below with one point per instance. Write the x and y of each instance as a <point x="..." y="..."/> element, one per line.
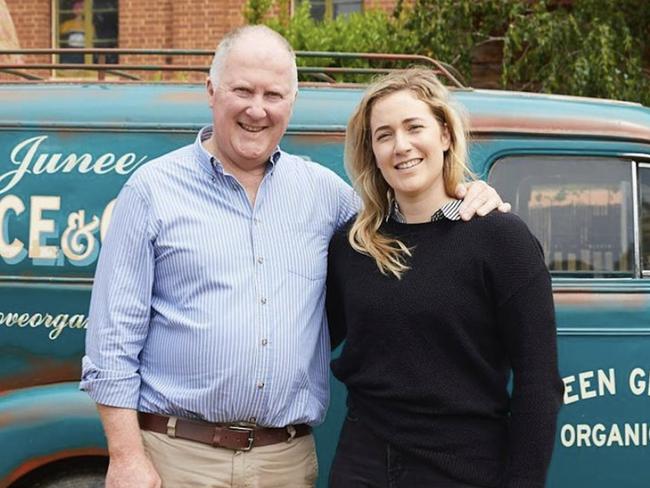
<point x="437" y="313"/>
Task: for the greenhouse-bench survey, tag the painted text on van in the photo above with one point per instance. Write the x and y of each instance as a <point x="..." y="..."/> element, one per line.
<point x="79" y="242"/>
<point x="56" y="323"/>
<point x="28" y="158"/>
<point x="602" y="382"/>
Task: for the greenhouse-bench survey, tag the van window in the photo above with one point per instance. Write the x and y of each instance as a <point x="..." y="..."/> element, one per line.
<point x="644" y="191"/>
<point x="579" y="208"/>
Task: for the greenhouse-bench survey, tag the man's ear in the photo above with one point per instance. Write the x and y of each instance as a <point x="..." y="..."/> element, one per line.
<point x="293" y="101"/>
<point x="209" y="86"/>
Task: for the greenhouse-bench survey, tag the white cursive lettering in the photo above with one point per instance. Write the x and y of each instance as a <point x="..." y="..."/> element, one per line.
<point x="56" y="323"/>
<point x="29" y="158"/>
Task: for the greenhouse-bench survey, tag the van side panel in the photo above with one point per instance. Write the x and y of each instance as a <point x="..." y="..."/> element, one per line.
<point x="603" y="341"/>
<point x="604" y="424"/>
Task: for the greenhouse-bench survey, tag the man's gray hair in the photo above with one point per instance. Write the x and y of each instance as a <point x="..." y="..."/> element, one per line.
<point x="235" y="35"/>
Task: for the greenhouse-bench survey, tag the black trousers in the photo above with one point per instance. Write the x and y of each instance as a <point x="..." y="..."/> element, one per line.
<point x="362" y="460"/>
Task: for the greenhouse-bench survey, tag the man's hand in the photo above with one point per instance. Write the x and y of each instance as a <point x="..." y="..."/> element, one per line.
<point x="129" y="466"/>
<point x="132" y="472"/>
<point x="479" y="198"/>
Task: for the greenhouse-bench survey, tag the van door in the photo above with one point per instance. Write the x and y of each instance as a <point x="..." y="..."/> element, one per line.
<point x="592" y="217"/>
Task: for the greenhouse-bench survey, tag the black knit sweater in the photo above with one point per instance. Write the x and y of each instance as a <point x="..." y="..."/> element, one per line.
<point x="428" y="358"/>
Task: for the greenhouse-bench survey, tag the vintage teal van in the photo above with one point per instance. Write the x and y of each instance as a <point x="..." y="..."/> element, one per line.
<point x="576" y="170"/>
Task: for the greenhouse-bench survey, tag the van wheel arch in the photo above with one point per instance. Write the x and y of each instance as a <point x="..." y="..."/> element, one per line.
<point x="79" y="472"/>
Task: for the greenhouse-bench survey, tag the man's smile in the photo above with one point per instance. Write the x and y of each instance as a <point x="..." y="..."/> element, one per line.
<point x="251" y="128"/>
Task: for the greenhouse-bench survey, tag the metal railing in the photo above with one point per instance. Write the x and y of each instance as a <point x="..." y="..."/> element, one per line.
<point x="102" y="68"/>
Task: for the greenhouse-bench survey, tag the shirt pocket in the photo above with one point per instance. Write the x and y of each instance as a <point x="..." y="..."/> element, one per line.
<point x="307" y="253"/>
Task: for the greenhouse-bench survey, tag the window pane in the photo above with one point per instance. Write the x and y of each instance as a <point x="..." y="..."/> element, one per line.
<point x="344" y="7"/>
<point x="104" y="5"/>
<point x="644" y="185"/>
<point x="580" y="209"/>
<point x="339" y="7"/>
<point x="86" y="24"/>
<point x="72" y="29"/>
<point x="317" y="10"/>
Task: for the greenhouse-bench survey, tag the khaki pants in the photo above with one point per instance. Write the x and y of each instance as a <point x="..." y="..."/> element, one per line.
<point x="187" y="464"/>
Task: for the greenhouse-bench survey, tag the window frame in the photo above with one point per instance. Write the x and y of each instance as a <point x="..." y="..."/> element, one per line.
<point x="645" y="164"/>
<point x="56" y="39"/>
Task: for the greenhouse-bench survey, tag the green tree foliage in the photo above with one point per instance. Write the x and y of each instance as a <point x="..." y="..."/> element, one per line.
<point x="597" y="48"/>
<point x="450" y="29"/>
<point x="371" y="31"/>
<point x="256" y="10"/>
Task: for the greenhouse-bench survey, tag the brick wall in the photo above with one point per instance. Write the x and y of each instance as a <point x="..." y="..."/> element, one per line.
<point x="385" y="5"/>
<point x="200" y="24"/>
<point x="144" y="24"/>
<point x="486" y="65"/>
<point x="188" y="24"/>
<point x="33" y="22"/>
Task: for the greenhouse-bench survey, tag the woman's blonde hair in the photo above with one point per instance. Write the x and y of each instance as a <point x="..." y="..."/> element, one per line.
<point x="360" y="164"/>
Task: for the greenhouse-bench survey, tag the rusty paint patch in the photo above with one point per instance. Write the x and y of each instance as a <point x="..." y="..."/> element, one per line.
<point x="34" y="414"/>
<point x="317" y="137"/>
<point x="603" y="300"/>
<point x="17" y="95"/>
<point x="42" y="372"/>
<point x="190" y="96"/>
<point x="562" y="126"/>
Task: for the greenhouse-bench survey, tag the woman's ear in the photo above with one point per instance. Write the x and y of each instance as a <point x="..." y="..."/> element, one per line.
<point x="445" y="137"/>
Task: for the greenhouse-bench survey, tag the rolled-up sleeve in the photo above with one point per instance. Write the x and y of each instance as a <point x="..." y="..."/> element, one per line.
<point x="120" y="304"/>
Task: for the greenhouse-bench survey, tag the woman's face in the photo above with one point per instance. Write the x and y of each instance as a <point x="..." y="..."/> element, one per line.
<point x="409" y="145"/>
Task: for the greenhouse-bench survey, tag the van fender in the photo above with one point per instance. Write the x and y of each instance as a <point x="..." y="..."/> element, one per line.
<point x="45" y="424"/>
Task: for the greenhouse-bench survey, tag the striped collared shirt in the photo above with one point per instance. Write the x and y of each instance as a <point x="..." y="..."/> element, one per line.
<point x="447" y="211"/>
<point x="207" y="307"/>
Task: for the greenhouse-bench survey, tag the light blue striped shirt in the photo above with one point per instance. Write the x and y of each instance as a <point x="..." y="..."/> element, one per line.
<point x="207" y="307"/>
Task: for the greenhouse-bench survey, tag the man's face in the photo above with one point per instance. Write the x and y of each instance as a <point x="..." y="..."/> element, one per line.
<point x="252" y="104"/>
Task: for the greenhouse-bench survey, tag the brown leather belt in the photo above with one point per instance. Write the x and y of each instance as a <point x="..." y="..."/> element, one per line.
<point x="238" y="437"/>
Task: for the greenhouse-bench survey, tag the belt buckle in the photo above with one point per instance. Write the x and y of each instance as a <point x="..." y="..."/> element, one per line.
<point x="251" y="434"/>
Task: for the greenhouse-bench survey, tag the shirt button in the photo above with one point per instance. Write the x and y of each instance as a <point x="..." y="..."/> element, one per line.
<point x="260" y="260"/>
<point x="263" y="301"/>
<point x="265" y="342"/>
<point x="252" y="420"/>
<point x="256" y="221"/>
<point x="260" y="385"/>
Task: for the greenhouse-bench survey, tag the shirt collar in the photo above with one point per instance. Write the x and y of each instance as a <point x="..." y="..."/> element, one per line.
<point x="211" y="164"/>
<point x="448" y="211"/>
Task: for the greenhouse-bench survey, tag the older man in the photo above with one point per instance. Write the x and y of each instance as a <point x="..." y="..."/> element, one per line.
<point x="206" y="351"/>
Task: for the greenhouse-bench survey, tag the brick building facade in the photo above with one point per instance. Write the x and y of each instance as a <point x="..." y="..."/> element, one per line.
<point x="146" y="24"/>
<point x="181" y="24"/>
<point x="184" y="24"/>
